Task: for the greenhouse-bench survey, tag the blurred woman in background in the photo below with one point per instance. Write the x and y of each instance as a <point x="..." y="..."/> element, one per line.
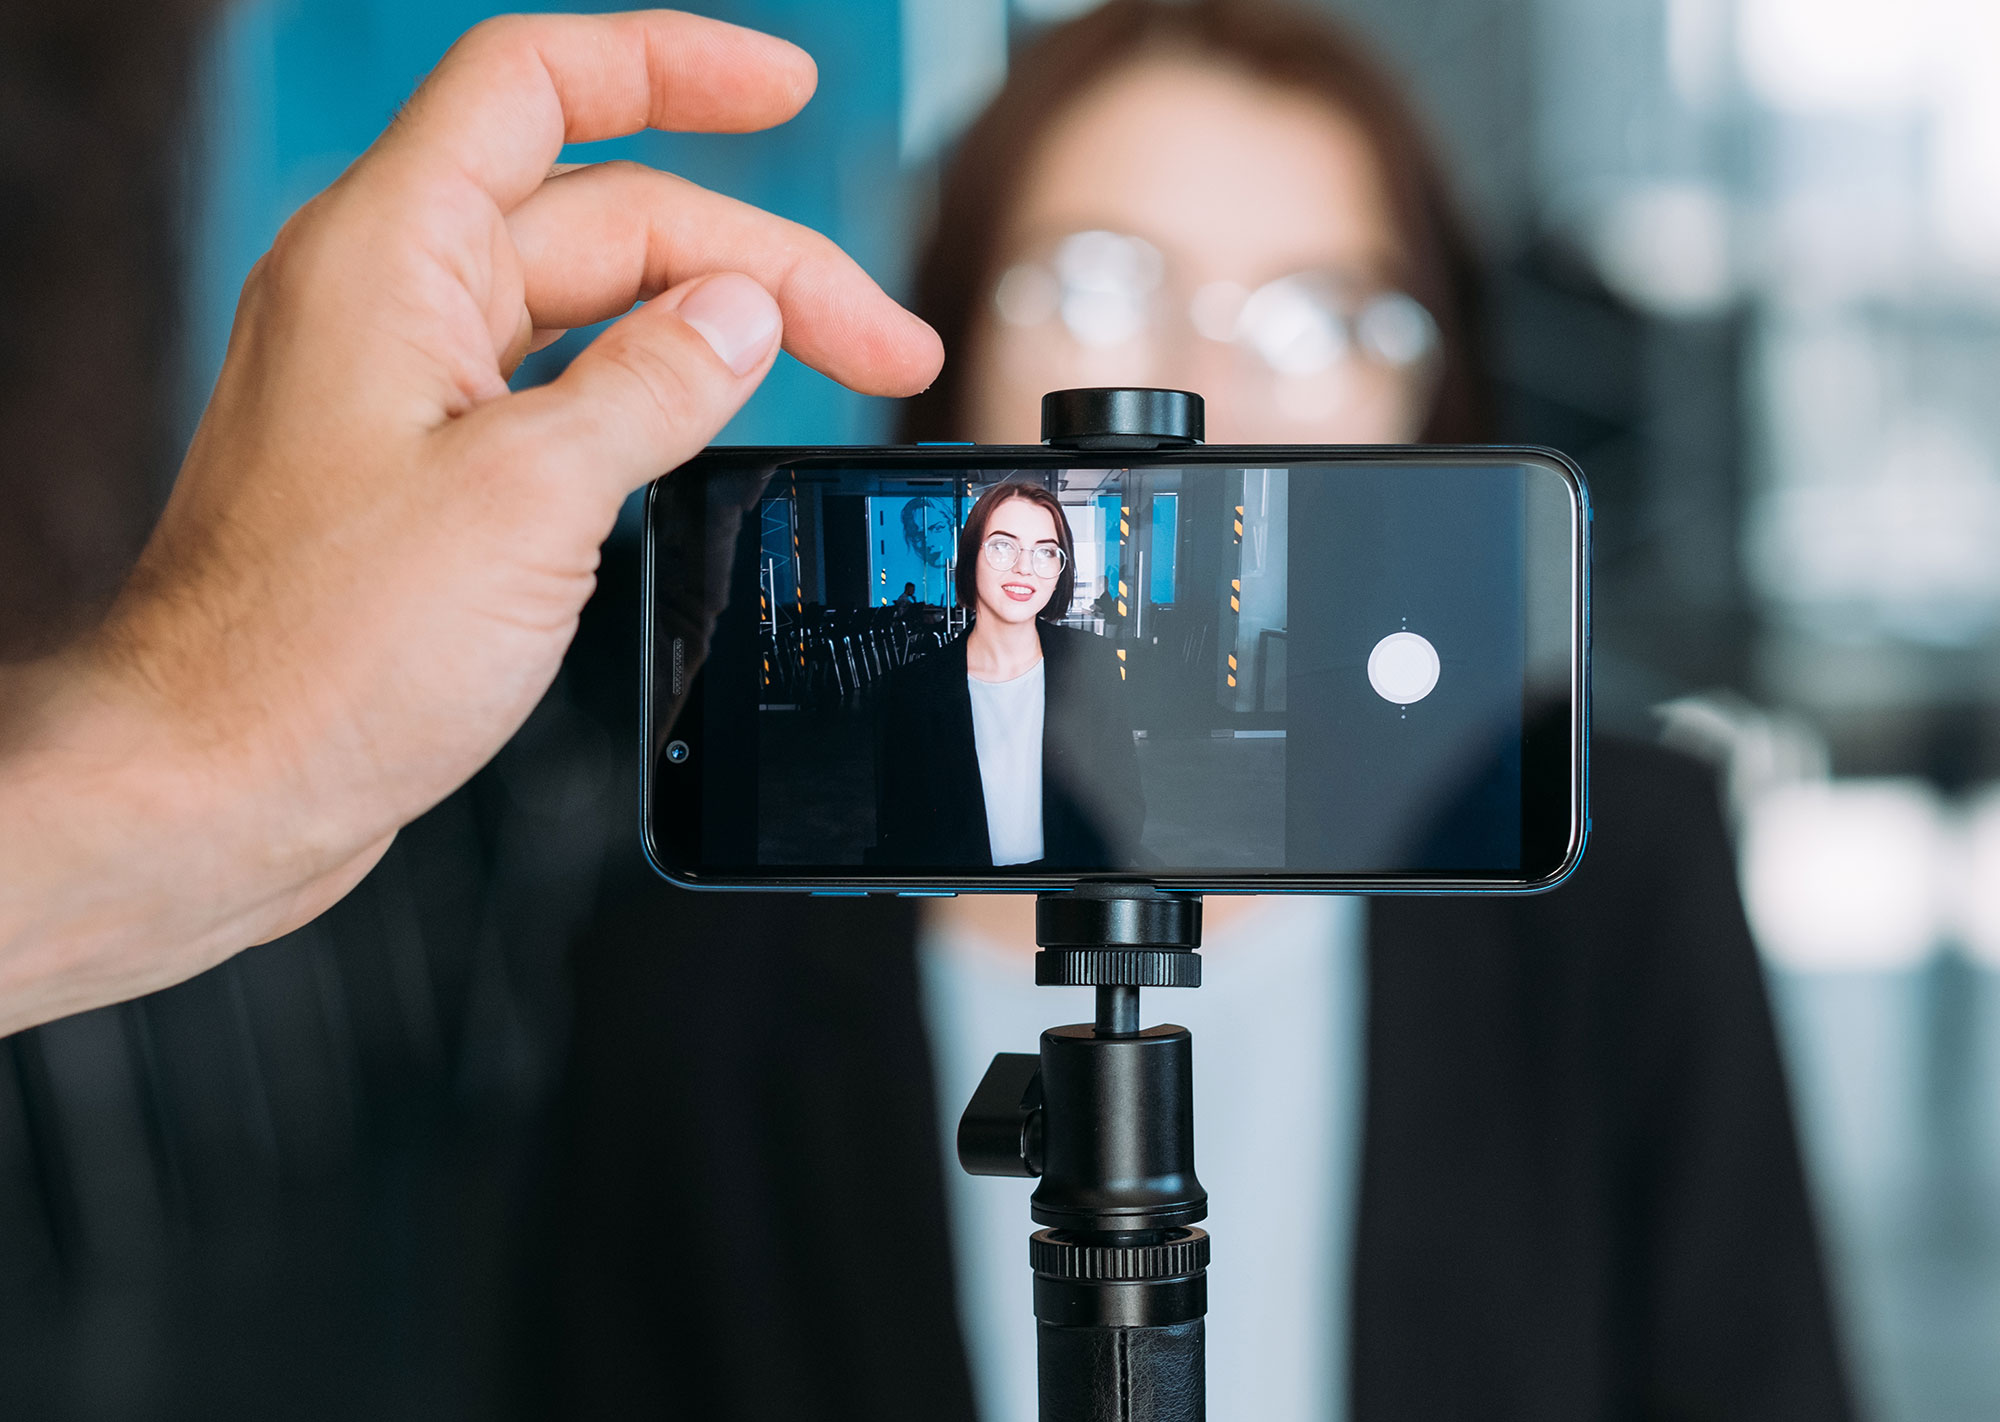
<point x="1466" y="1157"/>
<point x="1233" y="198"/>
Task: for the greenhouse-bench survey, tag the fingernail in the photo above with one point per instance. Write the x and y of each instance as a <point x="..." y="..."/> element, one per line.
<point x="737" y="318"/>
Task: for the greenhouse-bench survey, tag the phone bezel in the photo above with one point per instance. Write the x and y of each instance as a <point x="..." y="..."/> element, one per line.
<point x="687" y="778"/>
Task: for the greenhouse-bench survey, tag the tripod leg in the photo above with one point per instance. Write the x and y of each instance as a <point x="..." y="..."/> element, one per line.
<point x="1119" y="1325"/>
<point x="1092" y="1374"/>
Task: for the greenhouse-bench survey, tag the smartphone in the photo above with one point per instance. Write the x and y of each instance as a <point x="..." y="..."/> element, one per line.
<point x="1260" y="669"/>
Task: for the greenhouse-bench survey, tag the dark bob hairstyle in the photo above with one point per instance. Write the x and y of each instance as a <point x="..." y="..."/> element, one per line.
<point x="974" y="534"/>
<point x="1281" y="44"/>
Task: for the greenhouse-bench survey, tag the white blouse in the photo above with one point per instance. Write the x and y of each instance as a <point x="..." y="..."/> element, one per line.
<point x="1007" y="731"/>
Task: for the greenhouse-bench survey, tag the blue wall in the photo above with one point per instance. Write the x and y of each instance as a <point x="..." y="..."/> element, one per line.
<point x="297" y="88"/>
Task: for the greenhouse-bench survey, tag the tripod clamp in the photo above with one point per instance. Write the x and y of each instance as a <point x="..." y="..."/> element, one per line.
<point x="1104" y="1115"/>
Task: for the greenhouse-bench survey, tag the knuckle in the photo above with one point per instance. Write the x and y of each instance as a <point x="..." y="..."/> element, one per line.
<point x="302" y="259"/>
<point x="277" y="271"/>
<point x="675" y="387"/>
<point x="507" y="46"/>
<point x="256" y="280"/>
<point x="811" y="256"/>
<point x="500" y="34"/>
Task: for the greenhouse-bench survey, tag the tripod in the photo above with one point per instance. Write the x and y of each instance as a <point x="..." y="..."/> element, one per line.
<point x="1105" y="1113"/>
<point x="1105" y="1116"/>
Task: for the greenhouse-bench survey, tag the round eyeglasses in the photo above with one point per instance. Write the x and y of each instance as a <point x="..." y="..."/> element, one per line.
<point x="1003" y="554"/>
<point x="1109" y="289"/>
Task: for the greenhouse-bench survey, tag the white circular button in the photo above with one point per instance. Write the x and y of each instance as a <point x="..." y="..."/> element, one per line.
<point x="1403" y="668"/>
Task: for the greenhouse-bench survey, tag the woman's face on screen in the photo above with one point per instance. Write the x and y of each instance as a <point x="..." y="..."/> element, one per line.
<point x="1192" y="226"/>
<point x="1017" y="593"/>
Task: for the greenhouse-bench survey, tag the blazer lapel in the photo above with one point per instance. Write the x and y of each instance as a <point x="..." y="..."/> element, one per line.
<point x="1055" y="688"/>
<point x="958" y="768"/>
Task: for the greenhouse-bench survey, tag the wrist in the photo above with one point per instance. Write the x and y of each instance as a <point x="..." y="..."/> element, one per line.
<point x="109" y="823"/>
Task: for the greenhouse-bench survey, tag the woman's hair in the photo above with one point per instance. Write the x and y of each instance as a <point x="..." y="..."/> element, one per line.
<point x="1274" y="42"/>
<point x="973" y="536"/>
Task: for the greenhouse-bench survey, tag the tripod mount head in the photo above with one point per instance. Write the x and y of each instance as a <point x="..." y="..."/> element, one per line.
<point x="1125" y="418"/>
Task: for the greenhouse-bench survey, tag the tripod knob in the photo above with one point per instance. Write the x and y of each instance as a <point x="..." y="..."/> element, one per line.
<point x="1118" y="967"/>
<point x="1118" y="935"/>
<point x="1001" y="1130"/>
<point x="1115" y="418"/>
<point x="1171" y="1254"/>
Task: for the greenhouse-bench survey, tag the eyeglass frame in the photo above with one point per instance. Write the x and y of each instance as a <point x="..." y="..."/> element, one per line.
<point x="1033" y="550"/>
<point x="1045" y="260"/>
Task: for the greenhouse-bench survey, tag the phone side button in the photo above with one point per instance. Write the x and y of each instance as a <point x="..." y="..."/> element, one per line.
<point x="926" y="893"/>
<point x="942" y="444"/>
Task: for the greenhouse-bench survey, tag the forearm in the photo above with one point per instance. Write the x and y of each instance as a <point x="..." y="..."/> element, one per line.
<point x="132" y="859"/>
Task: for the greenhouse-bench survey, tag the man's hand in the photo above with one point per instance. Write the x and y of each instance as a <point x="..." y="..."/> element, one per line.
<point x="375" y="555"/>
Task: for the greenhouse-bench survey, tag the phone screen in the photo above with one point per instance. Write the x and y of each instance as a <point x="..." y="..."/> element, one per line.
<point x="1208" y="667"/>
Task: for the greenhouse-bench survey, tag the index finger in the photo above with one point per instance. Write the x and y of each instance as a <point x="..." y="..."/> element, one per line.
<point x="593" y="241"/>
<point x="505" y="99"/>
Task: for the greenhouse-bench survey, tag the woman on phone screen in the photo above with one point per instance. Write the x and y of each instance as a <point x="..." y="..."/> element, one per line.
<point x="1010" y="745"/>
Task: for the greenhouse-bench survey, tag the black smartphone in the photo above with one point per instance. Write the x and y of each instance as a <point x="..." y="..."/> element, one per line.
<point x="1220" y="669"/>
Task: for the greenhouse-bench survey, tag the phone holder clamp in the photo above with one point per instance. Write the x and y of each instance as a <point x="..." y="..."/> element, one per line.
<point x="1122" y="418"/>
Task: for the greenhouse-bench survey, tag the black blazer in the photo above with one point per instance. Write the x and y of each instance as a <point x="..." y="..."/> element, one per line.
<point x="930" y="810"/>
<point x="1581" y="1195"/>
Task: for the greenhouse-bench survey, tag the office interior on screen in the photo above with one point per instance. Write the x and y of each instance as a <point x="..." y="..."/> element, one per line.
<point x="1320" y="667"/>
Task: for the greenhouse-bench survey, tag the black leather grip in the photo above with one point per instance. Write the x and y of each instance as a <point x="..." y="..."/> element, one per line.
<point x="1123" y="1374"/>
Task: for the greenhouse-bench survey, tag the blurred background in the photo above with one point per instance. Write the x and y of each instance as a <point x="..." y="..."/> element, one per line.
<point x="1745" y="266"/>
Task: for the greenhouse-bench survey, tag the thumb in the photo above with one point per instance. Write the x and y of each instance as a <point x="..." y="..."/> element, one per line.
<point x="649" y="392"/>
